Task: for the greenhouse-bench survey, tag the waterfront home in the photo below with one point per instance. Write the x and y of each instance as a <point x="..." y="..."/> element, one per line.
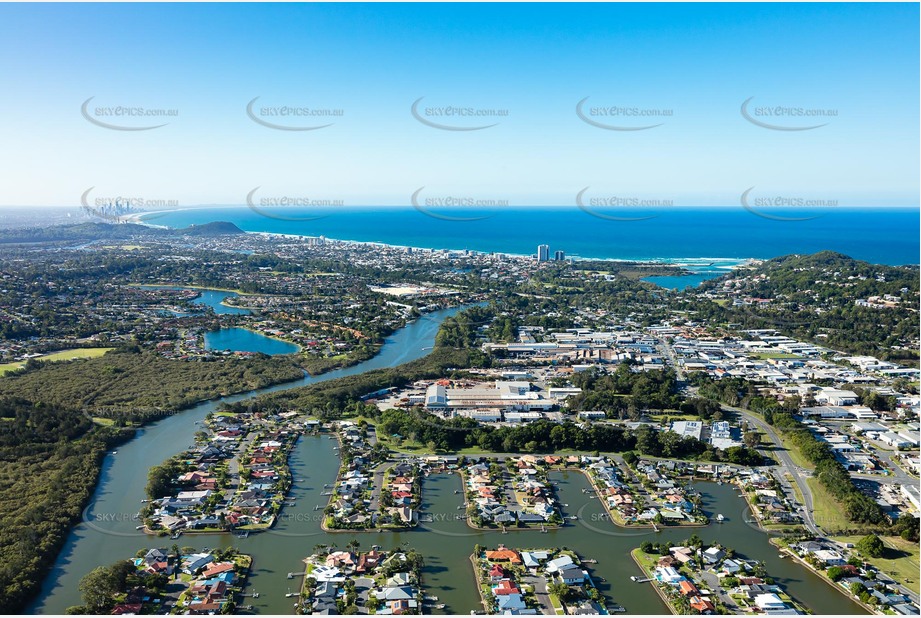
<point x="712" y="555"/>
<point x="192" y="563"/>
<point x="829" y="557"/>
<point x="668" y="575"/>
<point x="503" y="554"/>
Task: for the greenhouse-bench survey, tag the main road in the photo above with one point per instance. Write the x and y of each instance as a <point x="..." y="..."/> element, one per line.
<point x="786" y="462"/>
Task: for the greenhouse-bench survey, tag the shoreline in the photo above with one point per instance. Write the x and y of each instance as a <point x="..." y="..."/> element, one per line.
<point x="628" y="526"/>
<point x="653" y="582"/>
<point x="821" y="575"/>
<point x="729" y="264"/>
<point x="256" y="332"/>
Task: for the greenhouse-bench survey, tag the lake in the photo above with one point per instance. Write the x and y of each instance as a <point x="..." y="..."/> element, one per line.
<point x="244" y="340"/>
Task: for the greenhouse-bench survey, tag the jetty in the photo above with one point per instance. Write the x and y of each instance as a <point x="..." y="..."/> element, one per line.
<point x="640" y="580"/>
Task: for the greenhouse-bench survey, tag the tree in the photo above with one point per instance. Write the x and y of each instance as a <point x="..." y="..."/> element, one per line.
<point x="559" y="589"/>
<point x="871" y="546"/>
<point x="752" y="439"/>
<point x="835" y="573"/>
<point x="98" y="587"/>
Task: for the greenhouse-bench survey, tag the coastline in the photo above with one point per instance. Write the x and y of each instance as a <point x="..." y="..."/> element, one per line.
<point x="730" y="263"/>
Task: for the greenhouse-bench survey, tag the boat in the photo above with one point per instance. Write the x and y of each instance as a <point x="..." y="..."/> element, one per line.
<point x="720" y="518"/>
<point x="618" y="609"/>
<point x="440" y="606"/>
<point x="430" y="598"/>
<point x="572" y="517"/>
<point x="115" y="452"/>
<point x="139" y="528"/>
<point x="633" y="578"/>
<point x="176" y="535"/>
<point x="290" y="594"/>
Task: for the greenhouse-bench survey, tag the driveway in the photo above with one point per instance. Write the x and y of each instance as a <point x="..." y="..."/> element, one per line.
<point x="540" y="591"/>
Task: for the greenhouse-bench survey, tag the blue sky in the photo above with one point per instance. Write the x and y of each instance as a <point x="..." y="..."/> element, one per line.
<point x="696" y="62"/>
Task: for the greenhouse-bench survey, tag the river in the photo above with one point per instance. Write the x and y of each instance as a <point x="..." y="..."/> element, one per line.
<point x="108" y="531"/>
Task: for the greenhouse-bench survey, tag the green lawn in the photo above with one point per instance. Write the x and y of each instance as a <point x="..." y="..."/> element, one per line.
<point x="5" y="368"/>
<point x="900" y="560"/>
<point x="672" y="416"/>
<point x="557" y="606"/>
<point x="62" y="355"/>
<point x="796" y="490"/>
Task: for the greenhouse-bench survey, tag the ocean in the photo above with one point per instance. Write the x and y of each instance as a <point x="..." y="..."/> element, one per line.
<point x="706" y="240"/>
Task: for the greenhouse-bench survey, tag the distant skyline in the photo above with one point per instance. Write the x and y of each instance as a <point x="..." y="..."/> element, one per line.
<point x="219" y="73"/>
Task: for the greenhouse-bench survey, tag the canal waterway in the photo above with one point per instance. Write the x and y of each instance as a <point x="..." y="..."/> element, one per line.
<point x="108" y="531"/>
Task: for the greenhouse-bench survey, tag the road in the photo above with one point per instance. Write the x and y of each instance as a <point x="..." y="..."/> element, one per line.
<point x="713" y="582"/>
<point x="377" y="484"/>
<point x="540" y="591"/>
<point x="786" y="464"/>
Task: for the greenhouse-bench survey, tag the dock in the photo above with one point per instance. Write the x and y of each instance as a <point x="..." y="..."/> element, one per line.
<point x="640" y="580"/>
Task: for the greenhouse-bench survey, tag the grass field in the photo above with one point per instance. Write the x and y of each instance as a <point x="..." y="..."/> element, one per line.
<point x="62" y="355"/>
<point x="827" y="513"/>
<point x="900" y="560"/>
<point x="795" y="455"/>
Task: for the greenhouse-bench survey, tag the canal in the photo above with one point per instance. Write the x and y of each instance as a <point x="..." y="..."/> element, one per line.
<point x="108" y="531"/>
